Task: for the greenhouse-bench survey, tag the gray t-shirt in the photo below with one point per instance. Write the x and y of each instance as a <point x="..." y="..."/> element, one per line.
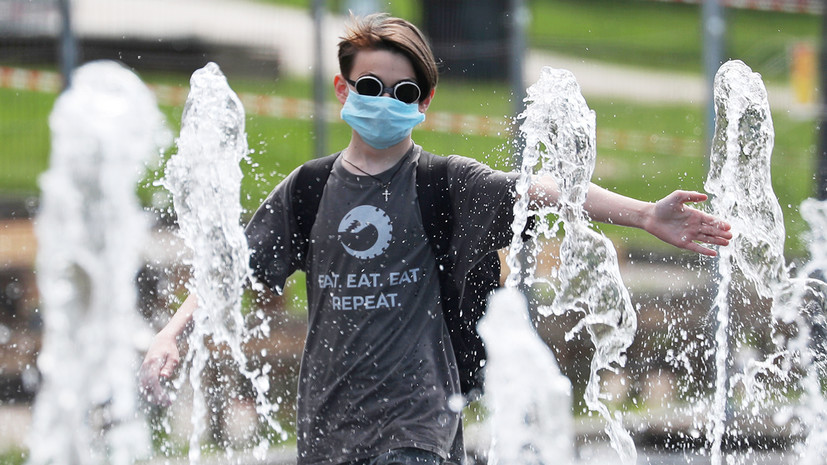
<point x="376" y="370"/>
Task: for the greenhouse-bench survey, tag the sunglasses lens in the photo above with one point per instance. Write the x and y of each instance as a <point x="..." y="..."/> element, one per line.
<point x="369" y="85"/>
<point x="407" y="92"/>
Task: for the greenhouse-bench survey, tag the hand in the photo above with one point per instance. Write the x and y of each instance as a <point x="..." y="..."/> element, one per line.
<point x="159" y="364"/>
<point x="676" y="223"/>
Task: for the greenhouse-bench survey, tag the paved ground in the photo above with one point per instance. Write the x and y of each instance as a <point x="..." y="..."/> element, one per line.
<point x="15" y="421"/>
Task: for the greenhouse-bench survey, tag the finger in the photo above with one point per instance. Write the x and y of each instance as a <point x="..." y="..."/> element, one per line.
<point x="151" y="387"/>
<point x="712" y="219"/>
<point x="714" y="240"/>
<point x="718" y="223"/>
<point x="168" y="368"/>
<point x="708" y="233"/>
<point x="690" y="196"/>
<point x="152" y="392"/>
<point x="709" y="221"/>
<point x="148" y="373"/>
<point x="157" y="394"/>
<point x="698" y="248"/>
<point x="714" y="230"/>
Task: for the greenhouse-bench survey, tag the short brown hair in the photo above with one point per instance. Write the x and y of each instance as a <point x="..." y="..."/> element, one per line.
<point x="379" y="31"/>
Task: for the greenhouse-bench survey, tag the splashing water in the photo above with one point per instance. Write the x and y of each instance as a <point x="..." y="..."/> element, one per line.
<point x="810" y="296"/>
<point x="530" y="399"/>
<point x="739" y="177"/>
<point x="815" y="213"/>
<point x="559" y="131"/>
<point x="90" y="232"/>
<point x="204" y="178"/>
<point x="807" y="348"/>
<point x="739" y="180"/>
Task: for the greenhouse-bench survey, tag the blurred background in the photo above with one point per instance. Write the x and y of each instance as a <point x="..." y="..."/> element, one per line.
<point x="645" y="67"/>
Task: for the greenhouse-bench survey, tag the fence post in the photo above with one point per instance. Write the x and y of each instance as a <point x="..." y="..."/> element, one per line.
<point x="68" y="50"/>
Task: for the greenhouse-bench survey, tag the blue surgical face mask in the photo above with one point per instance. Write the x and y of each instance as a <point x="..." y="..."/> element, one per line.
<point x="380" y="121"/>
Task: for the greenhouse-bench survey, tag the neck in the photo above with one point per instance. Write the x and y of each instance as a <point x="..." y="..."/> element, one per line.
<point x="371" y="160"/>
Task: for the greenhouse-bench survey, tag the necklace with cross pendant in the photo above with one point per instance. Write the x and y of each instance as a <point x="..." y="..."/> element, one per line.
<point x="386" y="193"/>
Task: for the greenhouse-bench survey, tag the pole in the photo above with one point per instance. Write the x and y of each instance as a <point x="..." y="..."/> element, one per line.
<point x="517" y="45"/>
<point x="319" y="107"/>
<point x="68" y="45"/>
<point x="821" y="162"/>
<point x="519" y="15"/>
<point x="714" y="27"/>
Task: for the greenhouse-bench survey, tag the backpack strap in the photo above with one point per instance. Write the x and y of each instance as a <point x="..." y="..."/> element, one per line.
<point x="462" y="308"/>
<point x="306" y="196"/>
<point x="433" y="194"/>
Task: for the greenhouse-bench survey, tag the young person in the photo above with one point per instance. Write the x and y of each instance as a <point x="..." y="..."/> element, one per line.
<point x="378" y="369"/>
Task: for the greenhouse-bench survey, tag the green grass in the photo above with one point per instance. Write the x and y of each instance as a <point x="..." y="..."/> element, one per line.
<point x="24" y="132"/>
<point x="665" y="35"/>
<point x="408" y="9"/>
<point x="13" y="456"/>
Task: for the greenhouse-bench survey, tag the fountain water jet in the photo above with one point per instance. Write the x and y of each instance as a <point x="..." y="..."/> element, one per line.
<point x="204" y="178"/>
<point x="739" y="179"/>
<point x="559" y="131"/>
<point x="90" y="232"/>
<point x="530" y="399"/>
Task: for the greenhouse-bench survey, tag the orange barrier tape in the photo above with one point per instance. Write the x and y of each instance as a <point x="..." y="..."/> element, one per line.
<point x="293" y="108"/>
<point x="813" y="7"/>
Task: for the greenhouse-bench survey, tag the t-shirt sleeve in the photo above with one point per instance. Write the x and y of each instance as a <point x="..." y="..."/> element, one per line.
<point x="483" y="201"/>
<point x="276" y="247"/>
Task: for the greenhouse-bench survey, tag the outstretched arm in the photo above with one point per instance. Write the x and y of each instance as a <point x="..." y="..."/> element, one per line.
<point x="669" y="219"/>
<point x="163" y="355"/>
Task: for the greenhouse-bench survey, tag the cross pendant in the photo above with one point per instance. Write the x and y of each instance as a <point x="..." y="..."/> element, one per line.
<point x="386" y="194"/>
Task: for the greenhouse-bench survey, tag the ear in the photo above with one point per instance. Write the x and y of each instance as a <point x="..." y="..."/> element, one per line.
<point x="423" y="105"/>
<point x="341" y="88"/>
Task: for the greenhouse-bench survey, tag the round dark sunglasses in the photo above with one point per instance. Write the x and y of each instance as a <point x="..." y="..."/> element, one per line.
<point x="404" y="91"/>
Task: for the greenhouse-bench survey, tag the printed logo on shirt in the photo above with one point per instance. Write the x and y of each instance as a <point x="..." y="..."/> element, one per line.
<point x="365" y="232"/>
